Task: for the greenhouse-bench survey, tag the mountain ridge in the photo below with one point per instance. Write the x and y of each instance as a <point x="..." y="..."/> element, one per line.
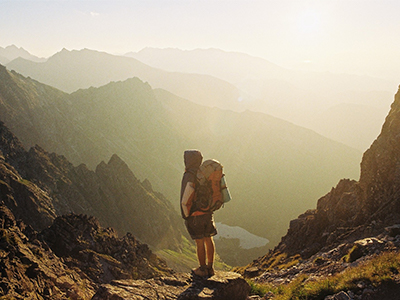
<point x="112" y="193"/>
<point x="302" y="97"/>
<point x="81" y="69"/>
<point x="355" y="225"/>
<point x="229" y="80"/>
<point x="12" y="52"/>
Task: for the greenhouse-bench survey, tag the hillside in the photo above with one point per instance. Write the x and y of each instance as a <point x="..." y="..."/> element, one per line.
<point x="73" y="70"/>
<point x="49" y="186"/>
<point x="46" y="256"/>
<point x="303" y="97"/>
<point x="274" y="168"/>
<point x="355" y="225"/>
<point x="71" y="259"/>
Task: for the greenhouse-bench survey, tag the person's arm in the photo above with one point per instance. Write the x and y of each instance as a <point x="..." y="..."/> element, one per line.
<point x="187" y="198"/>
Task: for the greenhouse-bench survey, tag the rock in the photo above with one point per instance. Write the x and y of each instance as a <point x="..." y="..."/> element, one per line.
<point x="28" y="270"/>
<point x="252" y="272"/>
<point x="367" y="294"/>
<point x="99" y="252"/>
<point x="269" y="295"/>
<point x="339" y="296"/>
<point x="393" y="230"/>
<point x="182" y="286"/>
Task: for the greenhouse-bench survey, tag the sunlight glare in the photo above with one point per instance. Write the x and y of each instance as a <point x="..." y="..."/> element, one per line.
<point x="308" y="21"/>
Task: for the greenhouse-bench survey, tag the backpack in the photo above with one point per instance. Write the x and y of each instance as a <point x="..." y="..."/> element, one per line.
<point x="211" y="191"/>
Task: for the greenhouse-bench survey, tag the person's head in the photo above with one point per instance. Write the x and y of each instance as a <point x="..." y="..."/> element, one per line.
<point x="192" y="159"/>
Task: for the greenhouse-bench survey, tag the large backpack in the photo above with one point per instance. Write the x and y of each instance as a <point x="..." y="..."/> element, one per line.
<point x="210" y="187"/>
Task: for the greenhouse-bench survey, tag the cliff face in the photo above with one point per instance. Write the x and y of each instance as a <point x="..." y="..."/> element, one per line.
<point x="355" y="209"/>
<point x="364" y="214"/>
<point x="380" y="170"/>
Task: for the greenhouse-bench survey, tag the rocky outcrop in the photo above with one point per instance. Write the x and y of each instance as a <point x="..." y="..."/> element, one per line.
<point x="30" y="270"/>
<point x="354" y="209"/>
<point x="49" y="185"/>
<point x="223" y="285"/>
<point x="26" y="200"/>
<point x="353" y="222"/>
<point x="37" y="186"/>
<point x="70" y="259"/>
<point x="99" y="252"/>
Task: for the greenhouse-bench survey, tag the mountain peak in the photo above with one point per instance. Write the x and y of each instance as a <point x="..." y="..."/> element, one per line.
<point x="115" y="160"/>
<point x="13" y="52"/>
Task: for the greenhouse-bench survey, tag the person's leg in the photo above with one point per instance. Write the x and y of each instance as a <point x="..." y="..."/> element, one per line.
<point x="201" y="256"/>
<point x="210" y="249"/>
<point x="201" y="251"/>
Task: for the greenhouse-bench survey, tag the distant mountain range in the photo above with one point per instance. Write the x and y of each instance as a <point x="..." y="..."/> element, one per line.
<point x="234" y="81"/>
<point x="274" y="169"/>
<point x="305" y="98"/>
<point x="73" y="70"/>
<point x="12" y="52"/>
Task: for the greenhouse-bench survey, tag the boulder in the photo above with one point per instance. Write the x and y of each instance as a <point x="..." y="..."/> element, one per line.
<point x="339" y="296"/>
<point x="182" y="286"/>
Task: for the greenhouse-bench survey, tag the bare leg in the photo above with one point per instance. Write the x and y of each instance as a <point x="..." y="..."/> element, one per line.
<point x="210" y="247"/>
<point x="201" y="252"/>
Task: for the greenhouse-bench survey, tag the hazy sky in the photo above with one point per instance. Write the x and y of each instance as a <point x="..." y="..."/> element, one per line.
<point x="359" y="36"/>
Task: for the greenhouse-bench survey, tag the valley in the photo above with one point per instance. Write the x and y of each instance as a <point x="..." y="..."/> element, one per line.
<point x="271" y="165"/>
<point x="112" y="155"/>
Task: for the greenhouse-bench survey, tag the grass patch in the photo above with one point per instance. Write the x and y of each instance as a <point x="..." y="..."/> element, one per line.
<point x="379" y="270"/>
<point x="258" y="289"/>
<point x="25" y="182"/>
<point x="277" y="261"/>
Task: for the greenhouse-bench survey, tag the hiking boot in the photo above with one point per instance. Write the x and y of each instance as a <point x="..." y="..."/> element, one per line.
<point x="201" y="271"/>
<point x="211" y="271"/>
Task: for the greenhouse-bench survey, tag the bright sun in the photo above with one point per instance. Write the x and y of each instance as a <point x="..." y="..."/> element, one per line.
<point x="308" y="22"/>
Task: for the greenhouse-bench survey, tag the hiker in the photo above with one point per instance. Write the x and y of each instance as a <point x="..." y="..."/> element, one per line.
<point x="199" y="224"/>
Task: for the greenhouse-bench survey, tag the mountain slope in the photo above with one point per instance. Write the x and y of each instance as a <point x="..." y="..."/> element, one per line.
<point x="73" y="70"/>
<point x="50" y="185"/>
<point x="274" y="168"/>
<point x="302" y="97"/>
<point x="352" y="224"/>
<point x="68" y="260"/>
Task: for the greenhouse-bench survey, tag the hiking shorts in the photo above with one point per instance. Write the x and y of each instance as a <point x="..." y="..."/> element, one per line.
<point x="201" y="226"/>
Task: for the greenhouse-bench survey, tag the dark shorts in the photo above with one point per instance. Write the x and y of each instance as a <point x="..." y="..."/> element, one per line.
<point x="201" y="226"/>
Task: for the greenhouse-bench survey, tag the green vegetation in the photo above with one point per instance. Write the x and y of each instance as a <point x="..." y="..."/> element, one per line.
<point x="381" y="269"/>
<point x="354" y="254"/>
<point x="25" y="182"/>
<point x="186" y="259"/>
<point x="258" y="289"/>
